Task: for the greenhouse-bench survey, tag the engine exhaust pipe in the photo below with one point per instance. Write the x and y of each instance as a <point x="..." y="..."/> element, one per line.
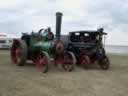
<point x="58" y="24"/>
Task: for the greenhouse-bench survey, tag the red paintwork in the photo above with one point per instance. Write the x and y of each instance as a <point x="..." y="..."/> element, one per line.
<point x="90" y="55"/>
<point x="40" y="62"/>
<point x="33" y="59"/>
<point x="68" y="59"/>
<point x="59" y="47"/>
<point x="15" y="54"/>
<point x="63" y="59"/>
<point x="50" y="36"/>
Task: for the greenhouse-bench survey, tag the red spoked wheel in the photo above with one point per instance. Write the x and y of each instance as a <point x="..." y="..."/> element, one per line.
<point x="42" y="62"/>
<point x="69" y="61"/>
<point x="85" y="60"/>
<point x="19" y="52"/>
<point x="104" y="63"/>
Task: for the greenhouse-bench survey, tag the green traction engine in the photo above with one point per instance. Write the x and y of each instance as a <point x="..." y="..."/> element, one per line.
<point x="43" y="48"/>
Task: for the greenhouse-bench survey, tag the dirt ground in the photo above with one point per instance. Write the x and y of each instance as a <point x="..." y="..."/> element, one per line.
<point x="26" y="81"/>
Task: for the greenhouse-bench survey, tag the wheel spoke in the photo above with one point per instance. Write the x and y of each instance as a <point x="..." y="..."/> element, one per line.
<point x="69" y="61"/>
<point x="19" y="52"/>
<point x="42" y="62"/>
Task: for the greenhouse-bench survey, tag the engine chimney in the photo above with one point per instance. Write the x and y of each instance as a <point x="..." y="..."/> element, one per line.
<point x="58" y="25"/>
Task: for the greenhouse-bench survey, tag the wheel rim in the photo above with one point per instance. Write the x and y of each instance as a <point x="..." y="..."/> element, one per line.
<point x="84" y="60"/>
<point x="13" y="55"/>
<point x="16" y="54"/>
<point x="69" y="61"/>
<point x="42" y="62"/>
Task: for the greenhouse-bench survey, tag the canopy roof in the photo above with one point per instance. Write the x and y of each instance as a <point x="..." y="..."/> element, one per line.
<point x="88" y="31"/>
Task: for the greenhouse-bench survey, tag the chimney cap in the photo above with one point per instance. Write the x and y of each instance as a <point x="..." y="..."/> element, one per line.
<point x="59" y="13"/>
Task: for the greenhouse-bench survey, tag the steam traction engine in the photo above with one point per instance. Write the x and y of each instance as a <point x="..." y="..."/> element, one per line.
<point x="88" y="47"/>
<point x="41" y="47"/>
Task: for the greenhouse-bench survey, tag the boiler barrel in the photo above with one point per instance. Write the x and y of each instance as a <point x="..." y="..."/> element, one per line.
<point x="45" y="46"/>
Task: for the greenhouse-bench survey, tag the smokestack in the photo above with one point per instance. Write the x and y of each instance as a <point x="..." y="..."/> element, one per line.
<point x="58" y="24"/>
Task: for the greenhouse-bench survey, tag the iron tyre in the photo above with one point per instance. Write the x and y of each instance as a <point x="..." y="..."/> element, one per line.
<point x="69" y="61"/>
<point x="104" y="63"/>
<point x="85" y="61"/>
<point x="42" y="62"/>
<point x="19" y="52"/>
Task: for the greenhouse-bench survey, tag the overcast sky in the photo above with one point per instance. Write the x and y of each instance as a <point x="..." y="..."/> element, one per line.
<point x="18" y="16"/>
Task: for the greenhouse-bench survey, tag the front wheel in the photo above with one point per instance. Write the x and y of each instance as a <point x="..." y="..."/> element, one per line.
<point x="42" y="62"/>
<point x="69" y="61"/>
<point x="104" y="63"/>
<point x="85" y="61"/>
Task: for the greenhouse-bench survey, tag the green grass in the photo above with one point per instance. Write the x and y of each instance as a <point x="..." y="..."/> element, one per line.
<point x="26" y="81"/>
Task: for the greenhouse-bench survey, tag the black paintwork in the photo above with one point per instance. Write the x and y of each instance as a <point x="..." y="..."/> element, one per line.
<point x="89" y="43"/>
<point x="58" y="24"/>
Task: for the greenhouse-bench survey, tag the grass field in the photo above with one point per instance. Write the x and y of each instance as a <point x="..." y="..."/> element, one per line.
<point x="25" y="81"/>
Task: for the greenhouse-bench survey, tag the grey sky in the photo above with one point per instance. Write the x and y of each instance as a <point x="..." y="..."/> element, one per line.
<point x="26" y="15"/>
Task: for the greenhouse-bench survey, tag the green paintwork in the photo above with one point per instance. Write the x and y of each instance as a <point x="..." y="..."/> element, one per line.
<point x="44" y="36"/>
<point x="44" y="45"/>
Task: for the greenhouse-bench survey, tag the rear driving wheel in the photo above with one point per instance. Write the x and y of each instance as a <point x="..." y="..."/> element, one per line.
<point x="104" y="63"/>
<point x="69" y="61"/>
<point x="19" y="52"/>
<point x="42" y="62"/>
